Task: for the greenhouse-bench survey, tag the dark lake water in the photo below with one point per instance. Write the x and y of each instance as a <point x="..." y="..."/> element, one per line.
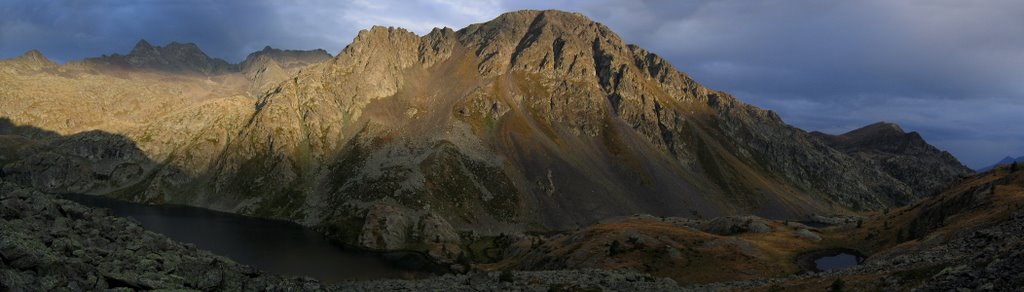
<point x="274" y="246"/>
<point x="815" y="224"/>
<point x="838" y="261"/>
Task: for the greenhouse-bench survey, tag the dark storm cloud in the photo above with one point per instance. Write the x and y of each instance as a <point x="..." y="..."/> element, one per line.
<point x="229" y="29"/>
<point x="951" y="70"/>
<point x="68" y="30"/>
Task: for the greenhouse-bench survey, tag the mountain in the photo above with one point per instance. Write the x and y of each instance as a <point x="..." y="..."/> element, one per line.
<point x="533" y="121"/>
<point x="174" y="57"/>
<point x="904" y="156"/>
<point x="270" y="66"/>
<point x="1004" y="161"/>
<point x="287" y="58"/>
<point x="30" y="61"/>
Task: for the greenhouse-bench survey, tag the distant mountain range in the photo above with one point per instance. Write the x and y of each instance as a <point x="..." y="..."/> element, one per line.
<point x="1004" y="161"/>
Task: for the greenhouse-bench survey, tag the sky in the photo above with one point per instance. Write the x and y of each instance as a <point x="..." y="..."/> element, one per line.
<point x="951" y="70"/>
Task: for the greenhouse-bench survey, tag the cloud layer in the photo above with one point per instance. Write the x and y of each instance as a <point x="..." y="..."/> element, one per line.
<point x="952" y="70"/>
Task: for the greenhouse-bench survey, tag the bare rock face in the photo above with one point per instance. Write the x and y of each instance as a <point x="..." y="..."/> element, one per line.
<point x="82" y="163"/>
<point x="389" y="227"/>
<point x="904" y="156"/>
<point x="730" y="225"/>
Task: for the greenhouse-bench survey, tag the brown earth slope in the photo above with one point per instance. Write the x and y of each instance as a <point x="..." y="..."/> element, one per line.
<point x="968" y="236"/>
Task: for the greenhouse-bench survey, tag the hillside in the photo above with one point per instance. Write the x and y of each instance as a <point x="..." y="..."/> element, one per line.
<point x="533" y="121"/>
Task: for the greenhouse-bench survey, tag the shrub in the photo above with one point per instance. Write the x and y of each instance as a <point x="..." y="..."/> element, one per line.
<point x="837" y="285"/>
<point x="615" y="248"/>
<point x="505" y="276"/>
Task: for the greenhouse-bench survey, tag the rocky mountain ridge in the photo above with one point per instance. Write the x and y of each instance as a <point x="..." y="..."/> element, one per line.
<point x="174" y="57"/>
<point x="534" y="121"/>
<point x="904" y="156"/>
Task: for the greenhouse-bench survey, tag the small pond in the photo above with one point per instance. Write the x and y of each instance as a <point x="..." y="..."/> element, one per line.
<point x="275" y="246"/>
<point x="839" y="261"/>
<point x="830" y="259"/>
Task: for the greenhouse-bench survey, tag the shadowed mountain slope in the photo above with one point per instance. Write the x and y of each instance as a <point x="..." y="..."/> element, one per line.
<point x="904" y="156"/>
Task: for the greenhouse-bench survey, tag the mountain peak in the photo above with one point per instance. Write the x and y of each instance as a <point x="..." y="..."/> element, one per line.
<point x="174" y="57"/>
<point x="284" y="57"/>
<point x="182" y="46"/>
<point x="142" y="47"/>
<point x="888" y="145"/>
<point x="33" y="60"/>
<point x="34" y="56"/>
<point x="879" y="128"/>
<point x="529" y="15"/>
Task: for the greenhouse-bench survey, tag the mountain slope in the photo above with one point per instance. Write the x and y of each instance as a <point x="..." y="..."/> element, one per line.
<point x="904" y="156"/>
<point x="536" y="120"/>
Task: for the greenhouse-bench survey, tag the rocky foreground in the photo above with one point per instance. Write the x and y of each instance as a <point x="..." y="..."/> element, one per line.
<point x="50" y="244"/>
<point x="969" y="238"/>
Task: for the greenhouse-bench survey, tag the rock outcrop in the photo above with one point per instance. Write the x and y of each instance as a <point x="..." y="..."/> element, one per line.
<point x="388" y="227"/>
<point x="730" y="225"/>
<point x="904" y="156"/>
<point x="85" y="162"/>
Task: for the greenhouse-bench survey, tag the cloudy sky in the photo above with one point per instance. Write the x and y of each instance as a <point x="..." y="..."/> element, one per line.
<point x="951" y="70"/>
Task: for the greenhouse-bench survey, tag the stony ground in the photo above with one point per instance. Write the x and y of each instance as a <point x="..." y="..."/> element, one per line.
<point x="49" y="244"/>
<point x="977" y="245"/>
<point x="989" y="259"/>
